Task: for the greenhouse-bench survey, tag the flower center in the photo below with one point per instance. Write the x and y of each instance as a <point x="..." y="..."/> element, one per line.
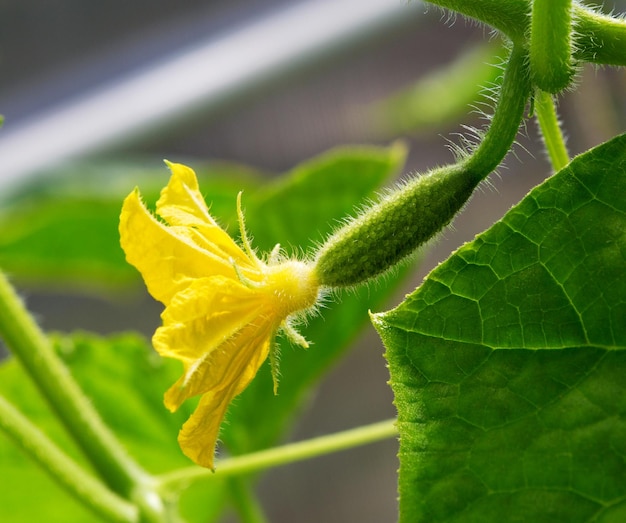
<point x="293" y="286"/>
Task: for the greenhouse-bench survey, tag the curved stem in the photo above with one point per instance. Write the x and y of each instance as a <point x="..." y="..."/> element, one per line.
<point x="257" y="461"/>
<point x="598" y="38"/>
<point x="550" y="130"/>
<point x="84" y="487"/>
<point x="32" y="348"/>
<point x="508" y="16"/>
<point x="508" y="115"/>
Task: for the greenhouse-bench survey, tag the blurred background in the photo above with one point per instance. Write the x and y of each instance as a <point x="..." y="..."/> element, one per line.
<point x="268" y="83"/>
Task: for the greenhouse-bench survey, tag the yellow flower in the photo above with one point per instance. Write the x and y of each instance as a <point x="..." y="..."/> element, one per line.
<point x="223" y="305"/>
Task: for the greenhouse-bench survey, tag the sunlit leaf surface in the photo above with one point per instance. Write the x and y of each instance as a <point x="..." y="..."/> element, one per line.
<point x="508" y="363"/>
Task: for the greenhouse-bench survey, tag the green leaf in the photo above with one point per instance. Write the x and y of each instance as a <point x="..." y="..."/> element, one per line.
<point x="62" y="230"/>
<point x="299" y="210"/>
<point x="508" y="363"/>
<point x="125" y="380"/>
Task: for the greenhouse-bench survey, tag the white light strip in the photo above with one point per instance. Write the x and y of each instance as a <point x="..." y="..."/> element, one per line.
<point x="199" y="78"/>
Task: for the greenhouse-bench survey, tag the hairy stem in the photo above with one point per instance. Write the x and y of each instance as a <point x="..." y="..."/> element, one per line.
<point x="510" y="17"/>
<point x="551" y="44"/>
<point x="508" y="115"/>
<point x="598" y="38"/>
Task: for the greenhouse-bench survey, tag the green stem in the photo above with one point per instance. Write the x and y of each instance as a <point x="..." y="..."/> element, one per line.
<point x="33" y="349"/>
<point x="551" y="131"/>
<point x="599" y="38"/>
<point x="257" y="461"/>
<point x="245" y="502"/>
<point x="507" y="116"/>
<point x="84" y="487"/>
<point x="551" y="44"/>
<point x="510" y="17"/>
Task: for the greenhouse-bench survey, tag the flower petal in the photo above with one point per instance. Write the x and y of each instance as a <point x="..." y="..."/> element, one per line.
<point x="181" y="202"/>
<point x="235" y="360"/>
<point x="200" y="317"/>
<point x="167" y="259"/>
<point x="181" y="205"/>
<point x="198" y="436"/>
